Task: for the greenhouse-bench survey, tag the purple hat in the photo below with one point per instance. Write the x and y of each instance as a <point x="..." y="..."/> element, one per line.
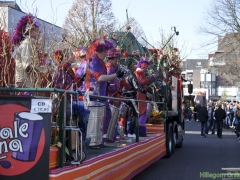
<point x="143" y="63"/>
<point x="25" y="24"/>
<point x="113" y="53"/>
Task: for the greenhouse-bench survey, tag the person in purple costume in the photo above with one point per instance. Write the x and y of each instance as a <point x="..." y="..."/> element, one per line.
<point x="112" y="67"/>
<point x="96" y="53"/>
<point x="64" y="77"/>
<point x="81" y="71"/>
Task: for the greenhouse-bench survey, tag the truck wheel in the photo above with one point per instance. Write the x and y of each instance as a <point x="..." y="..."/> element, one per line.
<point x="169" y="142"/>
<point x="179" y="145"/>
<point x="175" y="131"/>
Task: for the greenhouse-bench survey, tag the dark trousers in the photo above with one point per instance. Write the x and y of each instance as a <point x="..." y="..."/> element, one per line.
<point x="195" y="116"/>
<point x="211" y="126"/>
<point x="203" y="128"/>
<point x="219" y="128"/>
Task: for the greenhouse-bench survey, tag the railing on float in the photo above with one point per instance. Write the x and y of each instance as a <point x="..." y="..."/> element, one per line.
<point x="62" y="111"/>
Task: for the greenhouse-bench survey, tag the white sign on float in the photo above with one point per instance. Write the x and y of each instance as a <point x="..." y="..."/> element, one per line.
<point x="174" y="93"/>
<point x="41" y="106"/>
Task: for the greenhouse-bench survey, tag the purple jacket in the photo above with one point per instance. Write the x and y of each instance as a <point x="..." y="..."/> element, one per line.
<point x="98" y="68"/>
<point x="64" y="77"/>
<point x="114" y="84"/>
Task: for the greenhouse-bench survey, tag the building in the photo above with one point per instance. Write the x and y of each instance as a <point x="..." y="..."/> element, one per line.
<point x="224" y="64"/>
<point x="191" y="72"/>
<point x="10" y="14"/>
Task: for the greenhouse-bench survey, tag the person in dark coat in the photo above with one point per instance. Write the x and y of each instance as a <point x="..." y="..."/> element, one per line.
<point x="203" y="118"/>
<point x="210" y="118"/>
<point x="220" y="115"/>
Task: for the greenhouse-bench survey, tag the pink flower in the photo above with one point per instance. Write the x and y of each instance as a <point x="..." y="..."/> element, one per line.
<point x="114" y="36"/>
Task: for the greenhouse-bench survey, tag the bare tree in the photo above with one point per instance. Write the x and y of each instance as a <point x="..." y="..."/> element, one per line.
<point x="87" y="20"/>
<point x="136" y="29"/>
<point x="222" y="21"/>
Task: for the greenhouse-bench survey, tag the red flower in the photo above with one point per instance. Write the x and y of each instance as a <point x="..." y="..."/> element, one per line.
<point x="58" y="55"/>
<point x="125" y="54"/>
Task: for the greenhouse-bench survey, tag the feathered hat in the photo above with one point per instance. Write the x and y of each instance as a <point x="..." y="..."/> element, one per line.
<point x="25" y="24"/>
<point x="100" y="45"/>
<point x="143" y="63"/>
<point x="113" y="53"/>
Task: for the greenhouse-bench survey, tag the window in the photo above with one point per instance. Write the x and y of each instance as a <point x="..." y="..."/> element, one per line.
<point x="190" y="76"/>
<point x="199" y="64"/>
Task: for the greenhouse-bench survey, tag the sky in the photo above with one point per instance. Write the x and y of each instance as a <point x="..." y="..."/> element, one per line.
<point x="152" y="15"/>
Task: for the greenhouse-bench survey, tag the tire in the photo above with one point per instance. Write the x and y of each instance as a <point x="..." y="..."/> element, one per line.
<point x="174" y="136"/>
<point x="169" y="142"/>
<point x="78" y="158"/>
<point x="179" y="145"/>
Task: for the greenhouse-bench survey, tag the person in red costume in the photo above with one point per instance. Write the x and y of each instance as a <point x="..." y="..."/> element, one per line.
<point x="143" y="81"/>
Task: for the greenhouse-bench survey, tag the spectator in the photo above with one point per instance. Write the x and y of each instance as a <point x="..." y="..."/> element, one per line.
<point x="203" y="118"/>
<point x="188" y="113"/>
<point x="220" y="116"/>
<point x="210" y="118"/>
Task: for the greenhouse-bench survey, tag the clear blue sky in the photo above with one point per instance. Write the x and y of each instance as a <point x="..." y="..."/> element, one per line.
<point x="152" y="15"/>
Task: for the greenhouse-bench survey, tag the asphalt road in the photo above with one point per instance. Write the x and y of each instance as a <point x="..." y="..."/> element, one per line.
<point x="198" y="155"/>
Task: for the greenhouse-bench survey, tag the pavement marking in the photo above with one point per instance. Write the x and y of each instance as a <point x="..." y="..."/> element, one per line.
<point x="199" y="132"/>
<point x="231" y="169"/>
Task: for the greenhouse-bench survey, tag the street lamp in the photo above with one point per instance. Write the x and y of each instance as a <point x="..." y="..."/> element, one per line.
<point x="175" y="32"/>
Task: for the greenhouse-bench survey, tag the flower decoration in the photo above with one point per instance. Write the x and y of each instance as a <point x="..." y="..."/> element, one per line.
<point x="114" y="36"/>
<point x="135" y="53"/>
<point x="172" y="63"/>
<point x="125" y="54"/>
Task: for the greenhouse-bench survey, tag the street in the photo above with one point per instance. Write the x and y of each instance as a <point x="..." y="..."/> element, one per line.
<point x="198" y="157"/>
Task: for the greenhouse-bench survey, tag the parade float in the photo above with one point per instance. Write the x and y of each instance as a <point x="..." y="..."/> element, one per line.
<point x="30" y="123"/>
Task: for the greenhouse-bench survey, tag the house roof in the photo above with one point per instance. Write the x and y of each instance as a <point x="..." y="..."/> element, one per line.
<point x="11" y="4"/>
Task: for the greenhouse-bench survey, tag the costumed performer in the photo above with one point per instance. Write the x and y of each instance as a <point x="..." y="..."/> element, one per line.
<point x="64" y="77"/>
<point x="144" y="81"/>
<point x="131" y="64"/>
<point x="25" y="37"/>
<point x="99" y="78"/>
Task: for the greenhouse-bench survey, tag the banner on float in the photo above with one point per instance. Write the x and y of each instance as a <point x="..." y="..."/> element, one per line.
<point x="24" y="139"/>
